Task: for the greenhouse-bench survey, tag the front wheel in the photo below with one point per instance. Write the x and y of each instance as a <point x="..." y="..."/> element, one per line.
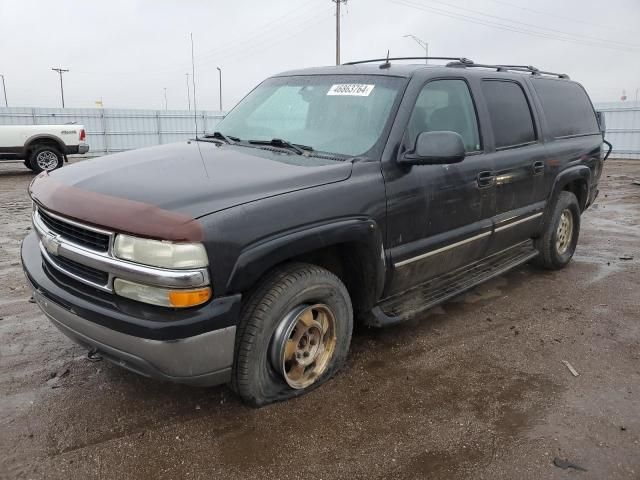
<point x="45" y="159"/>
<point x="294" y="334"/>
<point x="560" y="236"/>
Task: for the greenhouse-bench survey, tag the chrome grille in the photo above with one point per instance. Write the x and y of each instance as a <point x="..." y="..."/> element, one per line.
<point x="75" y="233"/>
<point x="84" y="272"/>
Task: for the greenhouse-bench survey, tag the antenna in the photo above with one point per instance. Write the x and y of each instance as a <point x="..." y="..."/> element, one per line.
<point x="386" y="63"/>
<point x="193" y="80"/>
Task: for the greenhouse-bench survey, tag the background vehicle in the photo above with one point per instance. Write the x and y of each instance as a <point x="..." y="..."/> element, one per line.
<point x="42" y="147"/>
<point x="360" y="192"/>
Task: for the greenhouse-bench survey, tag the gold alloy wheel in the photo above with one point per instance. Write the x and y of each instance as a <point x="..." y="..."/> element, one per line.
<point x="564" y="233"/>
<point x="303" y="344"/>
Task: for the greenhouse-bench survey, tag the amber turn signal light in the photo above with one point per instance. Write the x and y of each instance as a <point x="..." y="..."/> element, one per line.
<point x="189" y="298"/>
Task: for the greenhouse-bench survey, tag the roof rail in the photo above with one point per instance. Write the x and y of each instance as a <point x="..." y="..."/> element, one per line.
<point x="386" y="60"/>
<point x="510" y="68"/>
<point x="462" y="62"/>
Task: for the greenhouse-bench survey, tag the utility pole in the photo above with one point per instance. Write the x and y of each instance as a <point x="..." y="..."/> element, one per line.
<point x="338" y="2"/>
<point x="188" y="92"/>
<point x="422" y="43"/>
<point x="4" y="88"/>
<point x="60" y="72"/>
<point x="220" y="81"/>
<point x="165" y="98"/>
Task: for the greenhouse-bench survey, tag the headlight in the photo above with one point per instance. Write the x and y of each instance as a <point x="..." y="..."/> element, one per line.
<point x="161" y="296"/>
<point x="157" y="253"/>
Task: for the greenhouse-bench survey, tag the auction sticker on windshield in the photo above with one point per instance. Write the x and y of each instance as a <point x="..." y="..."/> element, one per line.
<point x="353" y="89"/>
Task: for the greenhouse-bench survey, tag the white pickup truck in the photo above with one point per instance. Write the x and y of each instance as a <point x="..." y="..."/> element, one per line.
<point x="42" y="147"/>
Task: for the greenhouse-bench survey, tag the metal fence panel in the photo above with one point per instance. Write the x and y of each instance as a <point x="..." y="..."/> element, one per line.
<point x="116" y="130"/>
<point x="623" y="128"/>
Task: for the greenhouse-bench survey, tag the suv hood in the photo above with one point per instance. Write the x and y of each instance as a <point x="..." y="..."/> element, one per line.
<point x="183" y="181"/>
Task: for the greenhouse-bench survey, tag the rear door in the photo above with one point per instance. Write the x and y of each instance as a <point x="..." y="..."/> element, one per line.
<point x="438" y="216"/>
<point x="519" y="158"/>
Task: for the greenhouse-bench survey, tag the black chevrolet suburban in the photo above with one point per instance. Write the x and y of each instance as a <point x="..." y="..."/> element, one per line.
<point x="364" y="192"/>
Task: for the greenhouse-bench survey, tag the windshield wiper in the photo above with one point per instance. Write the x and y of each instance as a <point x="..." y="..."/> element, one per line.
<point x="221" y="136"/>
<point x="278" y="142"/>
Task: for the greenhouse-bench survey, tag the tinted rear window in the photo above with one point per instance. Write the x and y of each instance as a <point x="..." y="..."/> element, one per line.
<point x="566" y="107"/>
<point x="510" y="113"/>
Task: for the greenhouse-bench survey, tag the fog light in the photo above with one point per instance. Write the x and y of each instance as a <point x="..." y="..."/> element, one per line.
<point x="163" y="297"/>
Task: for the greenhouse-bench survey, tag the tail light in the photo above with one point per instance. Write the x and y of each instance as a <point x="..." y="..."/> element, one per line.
<point x="82" y="135"/>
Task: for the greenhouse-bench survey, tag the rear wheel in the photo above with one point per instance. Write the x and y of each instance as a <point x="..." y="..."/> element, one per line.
<point x="560" y="236"/>
<point x="294" y="334"/>
<point x="45" y="158"/>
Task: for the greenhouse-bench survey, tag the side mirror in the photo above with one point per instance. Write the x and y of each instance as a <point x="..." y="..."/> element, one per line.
<point x="434" y="148"/>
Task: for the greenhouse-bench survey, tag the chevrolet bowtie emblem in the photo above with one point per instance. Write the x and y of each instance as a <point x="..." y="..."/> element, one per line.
<point x="52" y="244"/>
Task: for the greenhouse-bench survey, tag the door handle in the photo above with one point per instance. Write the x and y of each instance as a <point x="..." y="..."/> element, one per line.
<point x="538" y="168"/>
<point x="486" y="179"/>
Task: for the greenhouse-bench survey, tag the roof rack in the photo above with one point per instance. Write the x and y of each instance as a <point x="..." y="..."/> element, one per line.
<point x="462" y="62"/>
<point x="510" y="68"/>
<point x="386" y="60"/>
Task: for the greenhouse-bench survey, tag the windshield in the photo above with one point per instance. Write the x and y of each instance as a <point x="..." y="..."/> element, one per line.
<point x="339" y="114"/>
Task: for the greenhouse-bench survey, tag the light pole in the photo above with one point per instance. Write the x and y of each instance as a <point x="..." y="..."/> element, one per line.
<point x="420" y="42"/>
<point x="188" y="92"/>
<point x="4" y="88"/>
<point x="60" y="72"/>
<point x="220" y="80"/>
<point x="338" y="2"/>
<point x="165" y="98"/>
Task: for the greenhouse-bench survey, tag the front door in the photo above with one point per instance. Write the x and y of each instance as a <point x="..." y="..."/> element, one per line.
<point x="439" y="216"/>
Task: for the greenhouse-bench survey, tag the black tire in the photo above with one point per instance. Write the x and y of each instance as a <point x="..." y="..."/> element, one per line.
<point x="45" y="155"/>
<point x="552" y="256"/>
<point x="27" y="164"/>
<point x="292" y="286"/>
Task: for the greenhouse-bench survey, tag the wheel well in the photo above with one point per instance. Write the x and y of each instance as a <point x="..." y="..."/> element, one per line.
<point x="43" y="142"/>
<point x="348" y="262"/>
<point x="579" y="188"/>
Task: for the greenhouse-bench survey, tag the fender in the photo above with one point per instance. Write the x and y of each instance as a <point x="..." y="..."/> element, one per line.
<point x="578" y="172"/>
<point x="256" y="259"/>
<point x="43" y="136"/>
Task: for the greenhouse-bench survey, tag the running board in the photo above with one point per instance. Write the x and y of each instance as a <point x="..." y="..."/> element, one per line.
<point x="407" y="305"/>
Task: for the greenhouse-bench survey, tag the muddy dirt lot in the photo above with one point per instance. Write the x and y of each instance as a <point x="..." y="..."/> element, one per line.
<point x="476" y="389"/>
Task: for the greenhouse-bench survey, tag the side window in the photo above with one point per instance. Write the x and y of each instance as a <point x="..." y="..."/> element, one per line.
<point x="509" y="112"/>
<point x="566" y="107"/>
<point x="445" y="105"/>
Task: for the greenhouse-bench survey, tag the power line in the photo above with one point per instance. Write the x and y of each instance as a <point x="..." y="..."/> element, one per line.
<point x="282" y="36"/>
<point x="258" y="34"/>
<point x="500" y="26"/>
<point x="553" y="30"/>
<point x="237" y="48"/>
<point x="60" y="72"/>
<point x="555" y="15"/>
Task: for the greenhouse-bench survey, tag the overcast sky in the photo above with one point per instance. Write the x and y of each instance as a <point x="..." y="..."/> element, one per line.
<point x="127" y="51"/>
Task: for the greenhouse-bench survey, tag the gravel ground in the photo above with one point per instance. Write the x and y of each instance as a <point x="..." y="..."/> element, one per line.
<point x="475" y="389"/>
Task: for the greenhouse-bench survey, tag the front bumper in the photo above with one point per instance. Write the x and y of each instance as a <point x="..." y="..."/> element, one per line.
<point x="193" y="346"/>
<point x="204" y="360"/>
